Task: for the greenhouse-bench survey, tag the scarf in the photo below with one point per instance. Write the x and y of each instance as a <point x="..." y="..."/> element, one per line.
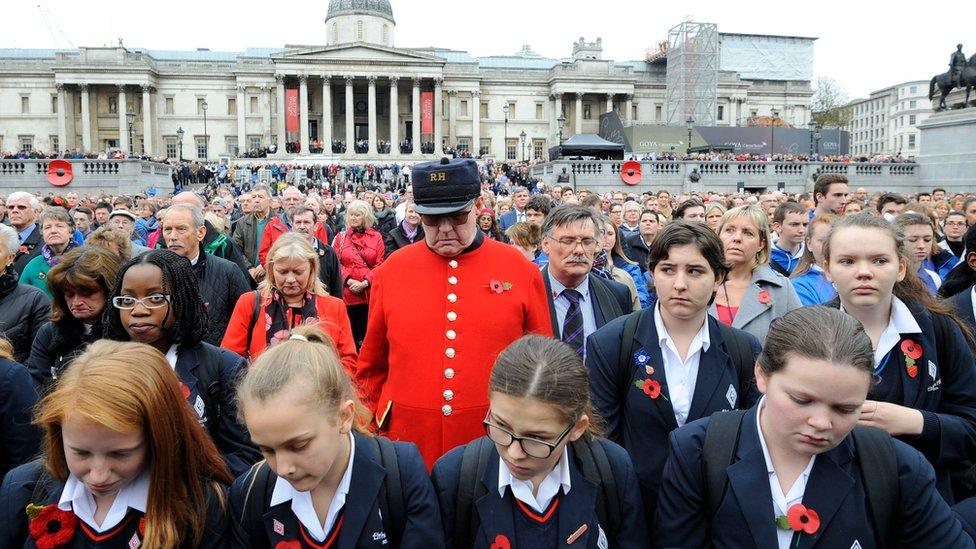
<point x="601" y="266"/>
<point x="408" y="231"/>
<point x="280" y="318"/>
<point x="8" y="282"/>
<point x="52" y="259"/>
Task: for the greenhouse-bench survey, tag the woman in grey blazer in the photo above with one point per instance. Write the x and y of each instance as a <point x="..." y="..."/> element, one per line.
<point x="753" y="294"/>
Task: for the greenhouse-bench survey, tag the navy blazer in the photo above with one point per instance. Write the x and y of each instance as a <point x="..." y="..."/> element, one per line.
<point x="641" y="424"/>
<point x="835" y="490"/>
<point x="507" y="219"/>
<point x="610" y="299"/>
<point x="362" y="525"/>
<point x="963" y="304"/>
<point x="576" y="508"/>
<point x="20" y="440"/>
<point x="945" y="393"/>
<point x="18" y="487"/>
<point x="231" y="438"/>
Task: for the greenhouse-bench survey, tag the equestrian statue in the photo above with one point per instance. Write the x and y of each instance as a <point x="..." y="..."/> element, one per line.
<point x="962" y="74"/>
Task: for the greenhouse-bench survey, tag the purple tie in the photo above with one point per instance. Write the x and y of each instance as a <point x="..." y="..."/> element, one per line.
<point x="573" y="325"/>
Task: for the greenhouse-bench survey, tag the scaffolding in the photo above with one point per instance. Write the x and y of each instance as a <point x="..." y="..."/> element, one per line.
<point x="692" y="74"/>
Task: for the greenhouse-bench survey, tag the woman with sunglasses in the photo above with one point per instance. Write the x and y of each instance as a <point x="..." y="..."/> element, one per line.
<point x="535" y="479"/>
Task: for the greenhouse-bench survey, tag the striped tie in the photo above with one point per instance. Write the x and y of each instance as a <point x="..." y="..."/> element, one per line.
<point x="573" y="325"/>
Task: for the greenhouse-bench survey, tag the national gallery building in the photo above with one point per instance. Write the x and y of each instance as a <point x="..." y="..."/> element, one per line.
<point x="360" y="97"/>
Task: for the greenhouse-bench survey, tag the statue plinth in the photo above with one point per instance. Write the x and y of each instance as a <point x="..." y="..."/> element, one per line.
<point x="946" y="156"/>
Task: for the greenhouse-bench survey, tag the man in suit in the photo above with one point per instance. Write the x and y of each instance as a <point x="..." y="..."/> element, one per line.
<point x="638" y="246"/>
<point x="517" y="213"/>
<point x="22" y="215"/>
<point x="579" y="302"/>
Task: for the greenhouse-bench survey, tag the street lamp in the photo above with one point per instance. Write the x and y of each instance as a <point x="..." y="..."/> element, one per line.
<point x="562" y="122"/>
<point x="772" y="135"/>
<point x="130" y="117"/>
<point x="522" y="138"/>
<point x="179" y="137"/>
<point x="690" y="122"/>
<point x="206" y="137"/>
<point x="505" y="141"/>
<point x="816" y="139"/>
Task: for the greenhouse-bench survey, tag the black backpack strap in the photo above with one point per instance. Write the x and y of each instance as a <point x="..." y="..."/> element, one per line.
<point x="878" y="465"/>
<point x="254" y="319"/>
<point x="721" y="441"/>
<point x="208" y="383"/>
<point x="740" y="351"/>
<point x="391" y="503"/>
<point x="625" y="359"/>
<point x="595" y="466"/>
<point x="256" y="496"/>
<point x="474" y="461"/>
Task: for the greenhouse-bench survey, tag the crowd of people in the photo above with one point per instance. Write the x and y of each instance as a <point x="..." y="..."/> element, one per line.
<point x="474" y="359"/>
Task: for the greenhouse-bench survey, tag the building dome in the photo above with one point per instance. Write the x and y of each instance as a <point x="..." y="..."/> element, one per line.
<point x="378" y="8"/>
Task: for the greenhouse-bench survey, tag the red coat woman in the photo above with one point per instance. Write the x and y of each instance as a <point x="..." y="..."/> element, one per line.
<point x="360" y="249"/>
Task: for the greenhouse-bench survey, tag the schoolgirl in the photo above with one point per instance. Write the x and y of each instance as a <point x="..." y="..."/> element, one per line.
<point x="926" y="379"/>
<point x="960" y="285"/>
<point x="652" y="372"/>
<point x="540" y="478"/>
<point x="125" y="462"/>
<point x="326" y="483"/>
<point x="789" y="472"/>
<point x="809" y="280"/>
<point x="919" y="234"/>
<point x="156" y="301"/>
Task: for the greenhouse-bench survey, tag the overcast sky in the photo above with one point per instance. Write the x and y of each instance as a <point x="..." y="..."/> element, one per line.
<point x="863" y="45"/>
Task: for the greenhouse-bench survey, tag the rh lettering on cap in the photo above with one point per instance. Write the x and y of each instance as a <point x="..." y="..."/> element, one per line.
<point x="438" y="177"/>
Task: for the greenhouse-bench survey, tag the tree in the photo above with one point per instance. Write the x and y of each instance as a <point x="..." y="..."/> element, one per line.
<point x="828" y="107"/>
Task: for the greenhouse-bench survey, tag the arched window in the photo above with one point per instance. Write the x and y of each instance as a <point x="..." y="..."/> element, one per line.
<point x="386" y="35"/>
<point x="359" y="31"/>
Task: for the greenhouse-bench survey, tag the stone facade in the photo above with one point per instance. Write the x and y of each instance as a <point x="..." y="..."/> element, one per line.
<point x="887" y="121"/>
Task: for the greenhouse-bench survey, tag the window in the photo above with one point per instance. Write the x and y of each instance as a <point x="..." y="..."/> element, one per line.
<point x="231" y="106"/>
<point x="200" y="102"/>
<point x="464" y="143"/>
<point x="657" y="113"/>
<point x="911" y="104"/>
<point x="463" y="109"/>
<point x="55" y="143"/>
<point x="511" y="149"/>
<point x="911" y="120"/>
<point x="485" y="145"/>
<point x="386" y="35"/>
<point x="24" y="104"/>
<point x="231" y="143"/>
<point x="54" y="104"/>
<point x="484" y="109"/>
<point x="633" y="111"/>
<point x="142" y="144"/>
<point x="168" y="105"/>
<point x="201" y="143"/>
<point x="254" y="104"/>
<point x="359" y="31"/>
<point x="26" y="142"/>
<point x="172" y="147"/>
<point x="721" y="112"/>
<point x="911" y="141"/>
<point x="538" y="147"/>
<point x="113" y="105"/>
<point x="253" y="142"/>
<point x="538" y="111"/>
<point x="587" y="111"/>
<point x="913" y="90"/>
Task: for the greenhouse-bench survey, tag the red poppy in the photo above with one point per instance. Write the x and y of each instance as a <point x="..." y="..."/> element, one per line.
<point x="22" y="249"/>
<point x="185" y="390"/>
<point x="652" y="388"/>
<point x="501" y="542"/>
<point x="764" y="297"/>
<point x="290" y="544"/>
<point x="496" y="286"/>
<point x="803" y="519"/>
<point x="911" y="349"/>
<point x="53" y="527"/>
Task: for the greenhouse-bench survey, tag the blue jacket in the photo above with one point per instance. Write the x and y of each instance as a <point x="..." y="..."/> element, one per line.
<point x="362" y="525"/>
<point x="835" y="490"/>
<point x="576" y="508"/>
<point x="642" y="280"/>
<point x="943" y="262"/>
<point x="785" y="259"/>
<point x="966" y="511"/>
<point x="813" y="288"/>
<point x="20" y="440"/>
<point x="18" y="488"/>
<point x="641" y="424"/>
<point x="231" y="438"/>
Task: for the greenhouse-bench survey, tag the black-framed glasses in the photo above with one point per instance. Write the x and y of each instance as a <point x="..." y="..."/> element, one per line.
<point x="455" y="219"/>
<point x="532" y="447"/>
<point x="154" y="301"/>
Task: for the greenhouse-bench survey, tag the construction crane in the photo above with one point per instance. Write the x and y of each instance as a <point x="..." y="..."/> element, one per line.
<point x="52" y="27"/>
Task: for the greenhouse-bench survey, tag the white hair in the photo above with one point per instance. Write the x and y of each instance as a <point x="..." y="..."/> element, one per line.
<point x="20" y="195"/>
<point x="9" y="240"/>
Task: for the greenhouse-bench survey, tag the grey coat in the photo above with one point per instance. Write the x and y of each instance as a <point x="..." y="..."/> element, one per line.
<point x="755" y="317"/>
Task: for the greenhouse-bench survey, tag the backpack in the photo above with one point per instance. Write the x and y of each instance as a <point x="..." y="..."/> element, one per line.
<point x="590" y="455"/>
<point x="876" y="462"/>
<point x="393" y="510"/>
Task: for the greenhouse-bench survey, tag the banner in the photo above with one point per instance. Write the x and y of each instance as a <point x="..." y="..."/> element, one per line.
<point x="291" y="110"/>
<point x="427" y="112"/>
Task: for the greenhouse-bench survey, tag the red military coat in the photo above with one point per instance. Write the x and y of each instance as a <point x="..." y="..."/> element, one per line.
<point x="436" y="325"/>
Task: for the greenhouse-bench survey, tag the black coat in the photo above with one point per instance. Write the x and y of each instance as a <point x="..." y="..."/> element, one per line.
<point x="610" y="300"/>
<point x="396" y="239"/>
<point x="20" y="439"/>
<point x="329" y="269"/>
<point x="635" y="250"/>
<point x="22" y="313"/>
<point x="55" y="346"/>
<point x="33" y="243"/>
<point x="221" y="283"/>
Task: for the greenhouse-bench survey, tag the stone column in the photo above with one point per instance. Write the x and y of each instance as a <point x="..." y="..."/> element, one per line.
<point x="629" y="106"/>
<point x="241" y="124"/>
<point x="62" y="118"/>
<point x="147" y="121"/>
<point x="350" y="118"/>
<point x="579" y="113"/>
<point x="123" y="125"/>
<point x="476" y="124"/>
<point x="452" y="105"/>
<point x="266" y="91"/>
<point x="371" y="107"/>
<point x="85" y="119"/>
<point x="438" y="115"/>
<point x="280" y="82"/>
<point x="609" y="103"/>
<point x="327" y="113"/>
<point x="394" y="115"/>
<point x="303" y="113"/>
<point x="415" y="115"/>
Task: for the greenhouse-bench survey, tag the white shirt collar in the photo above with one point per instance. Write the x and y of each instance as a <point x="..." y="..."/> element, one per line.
<point x="900" y="322"/>
<point x="171" y="356"/>
<point x="195" y="259"/>
<point x="76" y="498"/>
<point x="522" y="489"/>
<point x="301" y="502"/>
<point x="583" y="288"/>
<point x="702" y="338"/>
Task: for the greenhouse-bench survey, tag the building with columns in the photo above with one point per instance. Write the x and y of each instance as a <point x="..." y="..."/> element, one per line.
<point x="360" y="87"/>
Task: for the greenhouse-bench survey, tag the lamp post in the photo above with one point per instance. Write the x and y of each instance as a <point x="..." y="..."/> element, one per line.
<point x="130" y="118"/>
<point x="522" y="139"/>
<point x="772" y="135"/>
<point x="505" y="140"/>
<point x="179" y="137"/>
<point x="562" y="122"/>
<point x="206" y="136"/>
<point x="816" y="139"/>
<point x="690" y="122"/>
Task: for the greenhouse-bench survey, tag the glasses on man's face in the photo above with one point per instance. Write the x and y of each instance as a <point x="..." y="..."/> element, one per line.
<point x="127" y="302"/>
<point x="571" y="243"/>
<point x="455" y="219"/>
<point x="532" y="447"/>
<point x="955" y="223"/>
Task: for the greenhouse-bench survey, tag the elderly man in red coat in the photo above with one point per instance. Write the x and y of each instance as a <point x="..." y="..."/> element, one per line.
<point x="440" y="312"/>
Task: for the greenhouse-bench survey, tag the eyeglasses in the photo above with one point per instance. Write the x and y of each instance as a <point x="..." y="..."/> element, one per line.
<point x="532" y="447"/>
<point x="455" y="219"/>
<point x="127" y="302"/>
<point x="955" y="223"/>
<point x="571" y="243"/>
